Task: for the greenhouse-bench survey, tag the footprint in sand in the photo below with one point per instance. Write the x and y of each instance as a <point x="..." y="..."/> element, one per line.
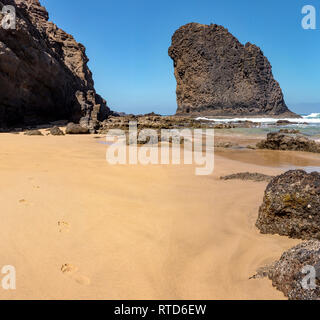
<point x="72" y="272"/>
<point x="63" y="226"/>
<point x="24" y="202"/>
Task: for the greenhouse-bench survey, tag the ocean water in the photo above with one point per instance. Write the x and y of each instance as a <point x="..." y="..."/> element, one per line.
<point x="308" y="125"/>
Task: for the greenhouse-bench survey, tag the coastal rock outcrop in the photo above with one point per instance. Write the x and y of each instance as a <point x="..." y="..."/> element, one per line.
<point x="291" y="206"/>
<point x="288" y="141"/>
<point x="288" y="273"/>
<point x="153" y="122"/>
<point x="217" y="75"/>
<point x="43" y="72"/>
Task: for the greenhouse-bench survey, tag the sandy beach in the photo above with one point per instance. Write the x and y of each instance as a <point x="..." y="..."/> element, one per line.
<point x="76" y="227"/>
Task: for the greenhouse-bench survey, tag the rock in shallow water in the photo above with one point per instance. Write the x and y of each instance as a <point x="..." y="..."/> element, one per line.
<point x="291" y="206"/>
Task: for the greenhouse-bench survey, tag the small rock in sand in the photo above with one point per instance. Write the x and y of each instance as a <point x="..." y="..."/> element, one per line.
<point x="257" y="177"/>
<point x="56" y="131"/>
<point x="33" y="133"/>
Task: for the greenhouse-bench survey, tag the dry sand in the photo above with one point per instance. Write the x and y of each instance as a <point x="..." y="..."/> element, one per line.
<point x="76" y="227"/>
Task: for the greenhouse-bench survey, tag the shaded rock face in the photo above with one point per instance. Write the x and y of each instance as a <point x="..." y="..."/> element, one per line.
<point x="217" y="75"/>
<point x="287" y="274"/>
<point x="43" y="73"/>
<point x="291" y="206"/>
<point x="285" y="141"/>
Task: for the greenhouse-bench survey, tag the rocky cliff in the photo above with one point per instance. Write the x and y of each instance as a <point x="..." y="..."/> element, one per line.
<point x="43" y="72"/>
<point x="217" y="75"/>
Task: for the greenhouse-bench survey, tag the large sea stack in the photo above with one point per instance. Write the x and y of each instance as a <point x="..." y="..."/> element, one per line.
<point x="217" y="75"/>
<point x="43" y="72"/>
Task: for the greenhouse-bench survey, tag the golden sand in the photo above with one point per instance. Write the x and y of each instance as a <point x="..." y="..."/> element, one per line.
<point x="76" y="227"/>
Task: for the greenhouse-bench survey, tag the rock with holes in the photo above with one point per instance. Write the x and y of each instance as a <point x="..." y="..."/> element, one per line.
<point x="297" y="273"/>
<point x="291" y="206"/>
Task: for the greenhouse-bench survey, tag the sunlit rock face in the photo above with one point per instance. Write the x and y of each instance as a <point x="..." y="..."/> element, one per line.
<point x="217" y="75"/>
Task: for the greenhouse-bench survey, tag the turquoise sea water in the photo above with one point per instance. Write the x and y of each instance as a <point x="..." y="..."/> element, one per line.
<point x="308" y="125"/>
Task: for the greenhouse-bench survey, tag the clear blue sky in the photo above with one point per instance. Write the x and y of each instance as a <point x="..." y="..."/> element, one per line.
<point x="127" y="42"/>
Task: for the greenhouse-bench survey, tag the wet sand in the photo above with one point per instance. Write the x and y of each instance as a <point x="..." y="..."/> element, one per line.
<point x="76" y="227"/>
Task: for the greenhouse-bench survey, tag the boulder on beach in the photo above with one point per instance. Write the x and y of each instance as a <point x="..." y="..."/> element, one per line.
<point x="292" y="274"/>
<point x="291" y="206"/>
<point x="73" y="128"/>
<point x="285" y="141"/>
<point x="56" y="131"/>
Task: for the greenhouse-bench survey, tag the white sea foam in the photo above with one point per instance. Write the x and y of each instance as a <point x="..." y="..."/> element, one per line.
<point x="313" y="118"/>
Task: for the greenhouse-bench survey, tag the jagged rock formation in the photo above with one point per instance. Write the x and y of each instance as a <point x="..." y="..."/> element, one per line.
<point x="291" y="206"/>
<point x="217" y="75"/>
<point x="43" y="73"/>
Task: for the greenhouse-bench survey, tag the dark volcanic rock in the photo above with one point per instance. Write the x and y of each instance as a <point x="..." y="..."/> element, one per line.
<point x="217" y="75"/>
<point x="291" y="206"/>
<point x="43" y="73"/>
<point x="257" y="177"/>
<point x="76" y="129"/>
<point x="284" y="141"/>
<point x="287" y="274"/>
<point x="56" y="131"/>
